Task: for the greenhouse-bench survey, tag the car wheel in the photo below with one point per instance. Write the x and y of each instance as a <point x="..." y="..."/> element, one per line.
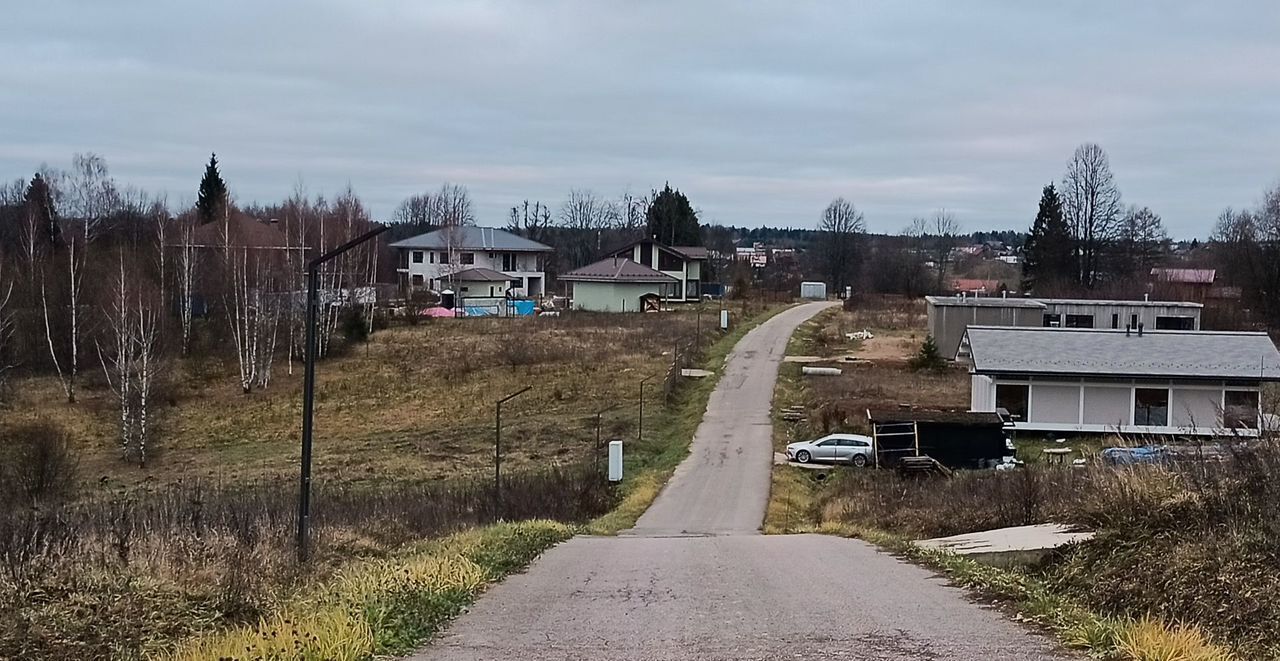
<point x="803" y="456"/>
<point x="859" y="460"/>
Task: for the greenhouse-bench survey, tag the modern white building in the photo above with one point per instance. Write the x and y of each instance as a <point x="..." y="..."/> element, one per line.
<point x="950" y="315"/>
<point x="432" y="260"/>
<point x="1118" y="381"/>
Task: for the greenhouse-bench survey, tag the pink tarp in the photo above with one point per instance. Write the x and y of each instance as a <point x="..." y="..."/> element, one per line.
<point x="435" y="312"/>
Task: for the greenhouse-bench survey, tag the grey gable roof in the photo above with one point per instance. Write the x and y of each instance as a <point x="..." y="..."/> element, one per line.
<point x="480" y="275"/>
<point x="469" y="237"/>
<point x="986" y="302"/>
<point x="1089" y="352"/>
<point x="616" y="269"/>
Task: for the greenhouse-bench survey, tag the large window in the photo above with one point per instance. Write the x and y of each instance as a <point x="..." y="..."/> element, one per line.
<point x="1079" y="321"/>
<point x="1052" y="320"/>
<point x="1151" y="407"/>
<point x="1240" y="409"/>
<point x="1175" y="323"/>
<point x="467" y="258"/>
<point x="509" y="262"/>
<point x="417" y="257"/>
<point x="1013" y="397"/>
<point x="669" y="262"/>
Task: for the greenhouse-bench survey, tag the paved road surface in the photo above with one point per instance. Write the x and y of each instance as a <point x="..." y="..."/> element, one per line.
<point x="695" y="581"/>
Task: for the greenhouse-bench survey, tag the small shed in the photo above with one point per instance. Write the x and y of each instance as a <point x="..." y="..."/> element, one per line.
<point x="956" y="439"/>
<point x="816" y="291"/>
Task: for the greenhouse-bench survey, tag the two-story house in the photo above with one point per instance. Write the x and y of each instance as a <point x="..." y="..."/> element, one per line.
<point x="687" y="264"/>
<point x="434" y="259"/>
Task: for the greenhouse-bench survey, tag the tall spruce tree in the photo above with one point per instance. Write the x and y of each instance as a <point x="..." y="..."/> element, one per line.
<point x="672" y="220"/>
<point x="213" y="192"/>
<point x="42" y="215"/>
<point x="1049" y="253"/>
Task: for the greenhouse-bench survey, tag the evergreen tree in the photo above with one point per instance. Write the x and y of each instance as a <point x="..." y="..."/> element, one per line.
<point x="213" y="192"/>
<point x="1048" y="255"/>
<point x="39" y="204"/>
<point x="672" y="220"/>
<point x="929" y="357"/>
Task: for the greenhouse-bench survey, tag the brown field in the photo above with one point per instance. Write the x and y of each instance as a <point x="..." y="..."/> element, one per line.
<point x="878" y="377"/>
<point x="414" y="402"/>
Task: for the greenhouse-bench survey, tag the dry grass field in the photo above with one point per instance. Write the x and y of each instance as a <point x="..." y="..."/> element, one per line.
<point x="414" y="402"/>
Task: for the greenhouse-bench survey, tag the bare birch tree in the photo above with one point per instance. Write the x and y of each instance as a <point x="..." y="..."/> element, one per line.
<point x="132" y="364"/>
<point x="188" y="267"/>
<point x="7" y="360"/>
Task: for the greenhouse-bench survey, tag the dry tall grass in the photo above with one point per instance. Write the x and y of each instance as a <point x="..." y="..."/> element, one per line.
<point x="114" y="578"/>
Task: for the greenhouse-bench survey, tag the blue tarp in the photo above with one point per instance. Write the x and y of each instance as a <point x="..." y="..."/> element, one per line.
<point x="1147" y="454"/>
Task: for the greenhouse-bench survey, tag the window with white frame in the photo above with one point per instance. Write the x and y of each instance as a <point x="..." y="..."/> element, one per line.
<point x="417" y="257"/>
<point x="1151" y="407"/>
<point x="1240" y="409"/>
<point x="1013" y="397"/>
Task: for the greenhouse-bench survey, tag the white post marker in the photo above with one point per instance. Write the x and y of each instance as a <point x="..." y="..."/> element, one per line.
<point x="615" y="461"/>
<point x="724" y="320"/>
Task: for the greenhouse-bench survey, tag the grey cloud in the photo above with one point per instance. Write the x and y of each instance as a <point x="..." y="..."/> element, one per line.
<point x="762" y="112"/>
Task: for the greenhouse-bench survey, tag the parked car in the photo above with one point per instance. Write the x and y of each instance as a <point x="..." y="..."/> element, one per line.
<point x="853" y="449"/>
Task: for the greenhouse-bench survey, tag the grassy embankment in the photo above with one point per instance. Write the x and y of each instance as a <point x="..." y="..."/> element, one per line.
<point x="1178" y="570"/>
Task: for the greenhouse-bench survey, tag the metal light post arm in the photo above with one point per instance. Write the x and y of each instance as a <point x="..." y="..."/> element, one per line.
<point x="497" y="443"/>
<point x="309" y="386"/>
<point x="640" y="420"/>
<point x="596" y="449"/>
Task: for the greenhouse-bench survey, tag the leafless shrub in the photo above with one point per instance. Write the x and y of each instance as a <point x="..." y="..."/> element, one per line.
<point x="39" y="463"/>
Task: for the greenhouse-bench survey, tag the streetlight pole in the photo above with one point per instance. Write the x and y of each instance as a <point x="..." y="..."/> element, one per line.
<point x="497" y="445"/>
<point x="598" y="447"/>
<point x="309" y="386"/>
<point x="640" y="420"/>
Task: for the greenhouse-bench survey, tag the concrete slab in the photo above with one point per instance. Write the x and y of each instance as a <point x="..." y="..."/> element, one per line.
<point x="695" y="373"/>
<point x="803" y="359"/>
<point x="1007" y="547"/>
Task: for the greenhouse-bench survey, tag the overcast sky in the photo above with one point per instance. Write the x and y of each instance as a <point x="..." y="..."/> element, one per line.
<point x="760" y="112"/>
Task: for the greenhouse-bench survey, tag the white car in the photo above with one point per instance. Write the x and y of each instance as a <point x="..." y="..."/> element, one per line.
<point x="853" y="449"/>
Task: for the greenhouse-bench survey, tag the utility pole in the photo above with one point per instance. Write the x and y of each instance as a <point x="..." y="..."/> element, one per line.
<point x="598" y="447"/>
<point x="640" y="420"/>
<point x="309" y="387"/>
<point x="497" y="445"/>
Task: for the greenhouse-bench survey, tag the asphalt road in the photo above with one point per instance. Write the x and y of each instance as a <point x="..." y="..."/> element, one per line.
<point x="694" y="580"/>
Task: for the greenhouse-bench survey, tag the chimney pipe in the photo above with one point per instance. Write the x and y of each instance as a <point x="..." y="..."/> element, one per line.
<point x="1146" y="297"/>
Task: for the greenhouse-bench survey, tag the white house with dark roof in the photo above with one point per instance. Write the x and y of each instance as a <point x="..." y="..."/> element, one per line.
<point x="1109" y="381"/>
<point x="434" y="260"/>
<point x="617" y="284"/>
<point x="685" y="264"/>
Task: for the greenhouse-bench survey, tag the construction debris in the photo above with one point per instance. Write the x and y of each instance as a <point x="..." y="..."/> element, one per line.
<point x="820" y="371"/>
